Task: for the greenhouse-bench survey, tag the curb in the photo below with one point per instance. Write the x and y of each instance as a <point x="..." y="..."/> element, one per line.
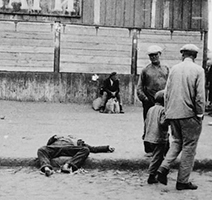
<point x="103" y="164"/>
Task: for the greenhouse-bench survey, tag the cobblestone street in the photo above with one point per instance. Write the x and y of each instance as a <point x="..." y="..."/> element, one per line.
<point x="29" y="184"/>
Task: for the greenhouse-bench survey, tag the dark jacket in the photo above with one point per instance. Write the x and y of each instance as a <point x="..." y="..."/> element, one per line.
<point x="68" y="141"/>
<point x="110" y="88"/>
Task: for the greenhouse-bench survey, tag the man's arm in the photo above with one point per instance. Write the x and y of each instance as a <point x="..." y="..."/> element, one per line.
<point x="100" y="149"/>
<point x="106" y="86"/>
<point x="140" y="87"/>
<point x="200" y="94"/>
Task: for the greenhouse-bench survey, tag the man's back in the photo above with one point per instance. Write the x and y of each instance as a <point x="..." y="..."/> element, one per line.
<point x="185" y="90"/>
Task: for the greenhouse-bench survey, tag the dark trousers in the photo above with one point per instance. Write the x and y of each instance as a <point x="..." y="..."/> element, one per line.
<point x="185" y="134"/>
<point x="146" y="106"/>
<point x="159" y="151"/>
<point x="106" y="97"/>
<point x="78" y="155"/>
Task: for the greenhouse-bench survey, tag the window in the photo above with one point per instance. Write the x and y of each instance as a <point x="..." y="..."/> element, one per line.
<point x="42" y="7"/>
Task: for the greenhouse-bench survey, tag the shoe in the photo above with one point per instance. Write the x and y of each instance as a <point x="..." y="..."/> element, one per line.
<point x="186" y="186"/>
<point x="162" y="178"/>
<point x="48" y="171"/>
<point x="66" y="169"/>
<point x="111" y="149"/>
<point x="121" y="109"/>
<point x="152" y="179"/>
<point x="101" y="110"/>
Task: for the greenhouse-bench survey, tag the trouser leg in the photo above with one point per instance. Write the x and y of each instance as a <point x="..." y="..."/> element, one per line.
<point x="191" y="129"/>
<point x="45" y="154"/>
<point x="104" y="99"/>
<point x="119" y="99"/>
<point x="78" y="155"/>
<point x="157" y="158"/>
<point x="175" y="148"/>
<point x="146" y="106"/>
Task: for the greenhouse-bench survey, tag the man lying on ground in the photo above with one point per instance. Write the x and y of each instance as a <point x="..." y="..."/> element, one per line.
<point x="58" y="146"/>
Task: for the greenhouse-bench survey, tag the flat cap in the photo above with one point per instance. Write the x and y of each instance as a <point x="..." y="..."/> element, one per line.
<point x="189" y="47"/>
<point x="113" y="74"/>
<point x="154" y="49"/>
<point x="159" y="96"/>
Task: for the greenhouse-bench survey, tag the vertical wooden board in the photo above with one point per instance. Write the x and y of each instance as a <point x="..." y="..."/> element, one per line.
<point x="96" y="11"/>
<point x="129" y="13"/>
<point x="110" y="12"/>
<point x="177" y="22"/>
<point x="166" y="14"/>
<point x="171" y="13"/>
<point x="196" y="14"/>
<point x="159" y="14"/>
<point x="147" y="11"/>
<point x="139" y="13"/>
<point x="119" y="13"/>
<point x="153" y="13"/>
<point x="186" y="22"/>
<point x="103" y="12"/>
<point x="88" y="12"/>
<point x="204" y="15"/>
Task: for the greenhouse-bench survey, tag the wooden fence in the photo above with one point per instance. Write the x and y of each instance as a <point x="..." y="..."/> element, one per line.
<point x="27" y="46"/>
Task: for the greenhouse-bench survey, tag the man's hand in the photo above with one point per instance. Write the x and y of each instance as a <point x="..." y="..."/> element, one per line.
<point x="111" y="149"/>
<point x="200" y="116"/>
<point x="113" y="94"/>
<point x="146" y="99"/>
<point x="80" y="142"/>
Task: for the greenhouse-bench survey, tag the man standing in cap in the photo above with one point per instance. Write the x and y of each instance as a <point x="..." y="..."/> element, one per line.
<point x="184" y="108"/>
<point x="110" y="89"/>
<point x="152" y="79"/>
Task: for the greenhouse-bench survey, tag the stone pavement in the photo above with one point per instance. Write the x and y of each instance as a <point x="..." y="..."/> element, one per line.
<point x="28" y="125"/>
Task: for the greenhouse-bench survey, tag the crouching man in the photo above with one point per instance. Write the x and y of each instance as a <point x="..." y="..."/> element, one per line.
<point x="58" y="146"/>
<point x="110" y="89"/>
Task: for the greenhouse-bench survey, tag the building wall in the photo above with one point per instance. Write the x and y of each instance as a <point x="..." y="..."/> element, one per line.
<point x="62" y="87"/>
<point x="156" y="14"/>
<point x="27" y="46"/>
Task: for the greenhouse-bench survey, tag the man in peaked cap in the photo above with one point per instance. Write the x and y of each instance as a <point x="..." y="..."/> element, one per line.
<point x="151" y="79"/>
<point x="184" y="102"/>
<point x="110" y="89"/>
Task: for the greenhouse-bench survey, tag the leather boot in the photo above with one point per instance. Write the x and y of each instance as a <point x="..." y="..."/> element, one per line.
<point x="152" y="179"/>
<point x="186" y="186"/>
<point x="162" y="175"/>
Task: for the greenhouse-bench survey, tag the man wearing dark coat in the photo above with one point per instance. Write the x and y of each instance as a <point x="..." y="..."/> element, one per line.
<point x="109" y="90"/>
<point x="77" y="150"/>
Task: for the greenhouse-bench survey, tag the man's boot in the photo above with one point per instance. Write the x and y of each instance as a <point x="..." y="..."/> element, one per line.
<point x="162" y="175"/>
<point x="121" y="109"/>
<point x="186" y="186"/>
<point x="102" y="109"/>
<point x="152" y="179"/>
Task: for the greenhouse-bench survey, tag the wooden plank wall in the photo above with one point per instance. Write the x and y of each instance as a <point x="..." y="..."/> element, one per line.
<point x="90" y="50"/>
<point x="158" y="14"/>
<point x="171" y="45"/>
<point x="26" y="46"/>
<point x="29" y="46"/>
<point x="155" y="14"/>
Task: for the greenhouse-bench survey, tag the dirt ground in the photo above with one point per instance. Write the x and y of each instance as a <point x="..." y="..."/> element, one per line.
<point x="28" y="184"/>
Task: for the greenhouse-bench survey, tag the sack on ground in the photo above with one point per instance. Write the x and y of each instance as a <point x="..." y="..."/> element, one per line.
<point x="112" y="106"/>
<point x="96" y="103"/>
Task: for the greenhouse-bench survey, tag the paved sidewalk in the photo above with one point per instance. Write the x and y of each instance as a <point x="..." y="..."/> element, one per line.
<point x="28" y="125"/>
